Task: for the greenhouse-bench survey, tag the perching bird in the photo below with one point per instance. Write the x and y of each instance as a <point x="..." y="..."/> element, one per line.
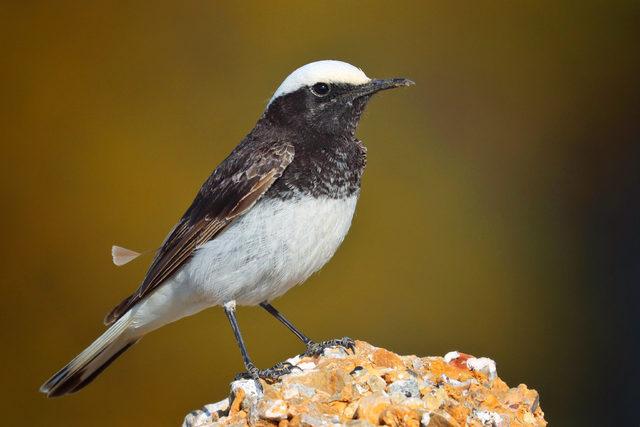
<point x="269" y="216"/>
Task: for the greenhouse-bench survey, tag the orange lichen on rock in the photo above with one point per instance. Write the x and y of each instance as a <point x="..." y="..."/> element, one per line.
<point x="385" y="358"/>
<point x="375" y="386"/>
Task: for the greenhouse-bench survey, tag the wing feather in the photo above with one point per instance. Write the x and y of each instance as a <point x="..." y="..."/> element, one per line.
<point x="231" y="190"/>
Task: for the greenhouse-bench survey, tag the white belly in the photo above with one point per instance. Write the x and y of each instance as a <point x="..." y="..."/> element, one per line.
<point x="265" y="252"/>
<point x="274" y="246"/>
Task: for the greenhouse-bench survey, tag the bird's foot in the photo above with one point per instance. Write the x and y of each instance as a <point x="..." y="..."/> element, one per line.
<point x="317" y="348"/>
<point x="270" y="375"/>
<point x="277" y="371"/>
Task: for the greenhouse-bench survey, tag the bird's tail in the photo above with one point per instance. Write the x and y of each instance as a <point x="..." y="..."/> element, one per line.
<point x="93" y="360"/>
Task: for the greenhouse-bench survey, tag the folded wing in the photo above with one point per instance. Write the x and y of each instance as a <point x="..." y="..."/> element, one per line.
<point x="231" y="190"/>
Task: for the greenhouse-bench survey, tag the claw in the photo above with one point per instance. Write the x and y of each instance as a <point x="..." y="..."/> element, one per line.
<point x="316" y="349"/>
<point x="277" y="371"/>
<point x="351" y="345"/>
<point x="286" y="365"/>
<point x="270" y="375"/>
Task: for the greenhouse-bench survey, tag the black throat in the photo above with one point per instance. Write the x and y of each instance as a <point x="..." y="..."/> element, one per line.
<point x="329" y="160"/>
<point x="323" y="167"/>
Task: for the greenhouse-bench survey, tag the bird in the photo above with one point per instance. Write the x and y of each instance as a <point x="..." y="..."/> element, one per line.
<point x="269" y="216"/>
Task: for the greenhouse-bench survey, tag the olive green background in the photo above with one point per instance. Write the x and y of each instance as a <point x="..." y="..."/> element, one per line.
<point x="498" y="215"/>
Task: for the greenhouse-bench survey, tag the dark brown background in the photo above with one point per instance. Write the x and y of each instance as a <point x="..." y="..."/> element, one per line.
<point x="499" y="214"/>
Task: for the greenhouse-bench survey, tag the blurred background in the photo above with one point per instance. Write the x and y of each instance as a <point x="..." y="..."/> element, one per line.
<point x="499" y="215"/>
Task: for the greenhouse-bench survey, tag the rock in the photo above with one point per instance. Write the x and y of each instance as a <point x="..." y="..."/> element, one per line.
<point x="209" y="413"/>
<point x="370" y="408"/>
<point x="406" y="388"/>
<point x="375" y="386"/>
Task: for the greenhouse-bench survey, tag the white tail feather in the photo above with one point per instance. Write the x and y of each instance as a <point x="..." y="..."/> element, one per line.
<point x="122" y="256"/>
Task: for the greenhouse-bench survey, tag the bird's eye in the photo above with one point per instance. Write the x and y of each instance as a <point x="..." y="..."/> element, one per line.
<point x="320" y="89"/>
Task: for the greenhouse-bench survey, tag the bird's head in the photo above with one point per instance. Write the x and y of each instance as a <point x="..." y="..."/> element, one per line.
<point x="326" y="97"/>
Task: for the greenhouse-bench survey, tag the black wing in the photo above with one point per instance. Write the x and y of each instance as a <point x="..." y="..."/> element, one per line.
<point x="232" y="189"/>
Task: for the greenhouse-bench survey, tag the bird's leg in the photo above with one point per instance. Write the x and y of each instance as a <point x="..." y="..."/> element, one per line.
<point x="313" y="348"/>
<point x="230" y="311"/>
<point x="275" y="313"/>
<point x="252" y="372"/>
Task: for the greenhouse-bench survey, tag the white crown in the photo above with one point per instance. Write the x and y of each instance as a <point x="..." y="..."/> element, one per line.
<point x="321" y="71"/>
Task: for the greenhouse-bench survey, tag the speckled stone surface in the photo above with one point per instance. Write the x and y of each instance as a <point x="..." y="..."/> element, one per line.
<point x="375" y="386"/>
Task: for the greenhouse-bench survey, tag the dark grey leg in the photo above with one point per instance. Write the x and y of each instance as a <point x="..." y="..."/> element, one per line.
<point x="275" y="313"/>
<point x="313" y="348"/>
<point x="254" y="373"/>
<point x="230" y="311"/>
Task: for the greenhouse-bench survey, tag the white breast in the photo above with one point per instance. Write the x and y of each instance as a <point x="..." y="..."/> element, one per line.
<point x="274" y="246"/>
<point x="265" y="252"/>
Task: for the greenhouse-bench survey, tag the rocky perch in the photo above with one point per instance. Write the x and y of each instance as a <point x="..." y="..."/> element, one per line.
<point x="375" y="386"/>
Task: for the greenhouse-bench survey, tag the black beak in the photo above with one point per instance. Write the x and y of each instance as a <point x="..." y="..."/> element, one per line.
<point x="376" y="85"/>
